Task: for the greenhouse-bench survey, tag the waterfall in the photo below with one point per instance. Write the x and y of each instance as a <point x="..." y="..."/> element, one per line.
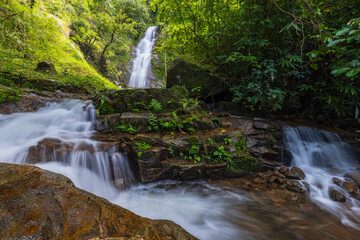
<point x="58" y="138"/>
<point x="324" y="157"/>
<point x="141" y="65"/>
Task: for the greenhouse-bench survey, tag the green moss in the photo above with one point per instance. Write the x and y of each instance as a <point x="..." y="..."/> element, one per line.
<point x="8" y="94"/>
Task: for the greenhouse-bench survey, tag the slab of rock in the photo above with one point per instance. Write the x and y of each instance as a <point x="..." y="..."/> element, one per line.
<point x="38" y="204"/>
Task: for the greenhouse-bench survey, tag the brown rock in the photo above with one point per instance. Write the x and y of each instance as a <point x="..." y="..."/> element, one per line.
<point x="337" y="181"/>
<point x="351" y="188"/>
<point x="336" y="195"/>
<point x="283" y="169"/>
<point x="38" y="204"/>
<point x="355" y="176"/>
<point x="295" y="173"/>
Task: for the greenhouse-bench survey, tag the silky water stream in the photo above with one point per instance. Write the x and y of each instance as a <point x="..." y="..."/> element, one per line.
<point x="325" y="159"/>
<point x="208" y="211"/>
<point x="141" y="68"/>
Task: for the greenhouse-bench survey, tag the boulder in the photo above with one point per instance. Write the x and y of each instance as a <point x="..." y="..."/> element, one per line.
<point x="38" y="204"/>
<point x="336" y="195"/>
<point x="191" y="76"/>
<point x="295" y="173"/>
<point x="45" y="66"/>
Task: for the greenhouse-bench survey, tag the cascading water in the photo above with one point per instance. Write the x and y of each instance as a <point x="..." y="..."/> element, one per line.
<point x="141" y="64"/>
<point x="60" y="133"/>
<point x="323" y="156"/>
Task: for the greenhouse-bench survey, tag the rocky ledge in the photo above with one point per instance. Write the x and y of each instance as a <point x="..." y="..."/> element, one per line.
<point x="38" y="204"/>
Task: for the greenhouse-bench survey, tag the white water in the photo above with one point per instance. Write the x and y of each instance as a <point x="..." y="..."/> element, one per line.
<point x="203" y="210"/>
<point x="141" y="64"/>
<point x="322" y="155"/>
<point x="69" y="123"/>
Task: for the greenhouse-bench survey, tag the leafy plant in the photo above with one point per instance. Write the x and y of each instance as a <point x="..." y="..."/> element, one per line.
<point x="128" y="129"/>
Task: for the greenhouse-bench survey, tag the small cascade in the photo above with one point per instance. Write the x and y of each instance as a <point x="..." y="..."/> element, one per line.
<point x="58" y="137"/>
<point x="141" y="68"/>
<point x="325" y="159"/>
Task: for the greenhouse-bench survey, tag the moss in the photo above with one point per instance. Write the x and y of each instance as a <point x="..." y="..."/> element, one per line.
<point x="8" y="94"/>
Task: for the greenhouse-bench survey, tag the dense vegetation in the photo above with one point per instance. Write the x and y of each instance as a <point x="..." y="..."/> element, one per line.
<point x="301" y="55"/>
<point x="87" y="41"/>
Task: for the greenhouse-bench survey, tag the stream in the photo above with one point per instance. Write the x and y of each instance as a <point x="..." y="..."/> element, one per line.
<point x="206" y="210"/>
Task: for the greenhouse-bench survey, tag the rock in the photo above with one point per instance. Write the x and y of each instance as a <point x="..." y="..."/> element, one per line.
<point x="336" y="195"/>
<point x="295" y="186"/>
<point x="45" y="66"/>
<point x="337" y="181"/>
<point x="283" y="169"/>
<point x="351" y="188"/>
<point x="38" y="204"/>
<point x="355" y="176"/>
<point x="260" y="125"/>
<point x="191" y="76"/>
<point x="226" y="124"/>
<point x="295" y="173"/>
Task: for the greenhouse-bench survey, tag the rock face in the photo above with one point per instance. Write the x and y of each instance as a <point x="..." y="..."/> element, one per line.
<point x="38" y="204"/>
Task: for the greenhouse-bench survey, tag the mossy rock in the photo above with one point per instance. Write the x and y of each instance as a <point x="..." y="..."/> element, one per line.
<point x="191" y="77"/>
<point x="122" y="100"/>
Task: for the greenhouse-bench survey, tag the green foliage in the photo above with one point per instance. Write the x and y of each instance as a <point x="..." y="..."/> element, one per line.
<point x="269" y="52"/>
<point x="155" y="105"/>
<point x="142" y="146"/>
<point x="193" y="153"/>
<point x="187" y="103"/>
<point x="216" y="121"/>
<point x="173" y="124"/>
<point x="241" y="146"/>
<point x="104" y="31"/>
<point x="9" y="94"/>
<point x="128" y="129"/>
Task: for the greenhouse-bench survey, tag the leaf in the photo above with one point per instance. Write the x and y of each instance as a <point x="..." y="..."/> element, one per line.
<point x="343" y="31"/>
<point x="352" y="72"/>
<point x="314" y="66"/>
<point x="340" y="71"/>
<point x="333" y="43"/>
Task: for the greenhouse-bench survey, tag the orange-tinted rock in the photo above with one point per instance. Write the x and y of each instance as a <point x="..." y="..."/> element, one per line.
<point x="38" y="204"/>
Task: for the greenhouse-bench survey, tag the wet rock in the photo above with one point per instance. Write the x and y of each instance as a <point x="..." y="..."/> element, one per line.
<point x="351" y="188"/>
<point x="336" y="195"/>
<point x="355" y="176"/>
<point x="283" y="169"/>
<point x="337" y="181"/>
<point x="38" y="204"/>
<point x="295" y="173"/>
<point x="45" y="66"/>
<point x="295" y="186"/>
